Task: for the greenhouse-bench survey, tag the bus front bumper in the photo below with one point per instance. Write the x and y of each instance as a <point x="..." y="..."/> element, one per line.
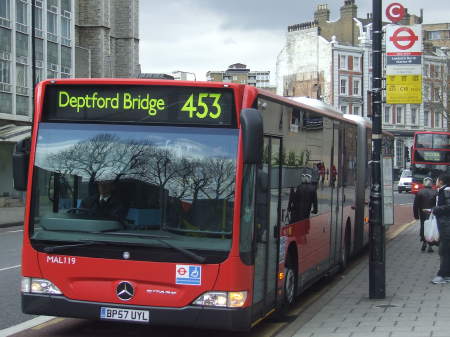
<point x="190" y="316"/>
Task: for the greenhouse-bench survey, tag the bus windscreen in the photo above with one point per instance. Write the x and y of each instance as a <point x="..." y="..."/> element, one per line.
<point x="140" y="104"/>
<point x="432" y="141"/>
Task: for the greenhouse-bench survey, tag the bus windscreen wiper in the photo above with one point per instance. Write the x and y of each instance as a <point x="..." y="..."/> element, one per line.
<point x="159" y="238"/>
<point x="83" y="243"/>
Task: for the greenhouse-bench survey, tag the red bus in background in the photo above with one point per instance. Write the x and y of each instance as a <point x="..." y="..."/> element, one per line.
<point x="430" y="157"/>
<point x="223" y="201"/>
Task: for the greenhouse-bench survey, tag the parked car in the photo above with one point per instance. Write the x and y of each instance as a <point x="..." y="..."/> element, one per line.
<point x="405" y="182"/>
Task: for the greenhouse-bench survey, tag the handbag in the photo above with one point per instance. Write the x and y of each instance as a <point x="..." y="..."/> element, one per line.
<point x="430" y="230"/>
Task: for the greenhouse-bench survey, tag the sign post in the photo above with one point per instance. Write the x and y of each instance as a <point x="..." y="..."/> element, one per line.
<point x="377" y="265"/>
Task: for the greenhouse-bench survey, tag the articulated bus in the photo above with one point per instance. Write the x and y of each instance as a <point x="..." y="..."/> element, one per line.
<point x="430" y="157"/>
<point x="225" y="201"/>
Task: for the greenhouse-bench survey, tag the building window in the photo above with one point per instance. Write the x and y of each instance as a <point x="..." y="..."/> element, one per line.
<point x="399" y="154"/>
<point x="436" y="35"/>
<point x="38" y="18"/>
<point x="426" y="91"/>
<point x="437" y="94"/>
<point x="66" y="58"/>
<point x="5" y="40"/>
<point x="387" y="115"/>
<point x="344" y="109"/>
<point x="356" y="63"/>
<point x="399" y="114"/>
<point x="437" y="120"/>
<point x="65" y="28"/>
<point x="66" y="6"/>
<point x="426" y="70"/>
<point x="52" y="53"/>
<point x="21" y="12"/>
<point x="6" y="99"/>
<point x="343" y="61"/>
<point x="343" y="86"/>
<point x="39" y="49"/>
<point x="21" y="75"/>
<point x="413" y="116"/>
<point x="425" y="117"/>
<point x="357" y="110"/>
<point x="357" y="87"/>
<point x="21" y="45"/>
<point x="4" y="71"/>
<point x="22" y="107"/>
<point x="52" y="23"/>
<point x="39" y="73"/>
<point x="4" y="9"/>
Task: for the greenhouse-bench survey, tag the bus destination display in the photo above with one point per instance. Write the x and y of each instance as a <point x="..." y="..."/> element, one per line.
<point x="140" y="104"/>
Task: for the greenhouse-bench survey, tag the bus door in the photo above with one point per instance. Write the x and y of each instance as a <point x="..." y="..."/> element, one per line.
<point x="267" y="220"/>
<point x="336" y="214"/>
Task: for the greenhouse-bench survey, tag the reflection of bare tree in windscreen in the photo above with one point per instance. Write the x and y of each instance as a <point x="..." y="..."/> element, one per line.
<point x="221" y="172"/>
<point x="101" y="157"/>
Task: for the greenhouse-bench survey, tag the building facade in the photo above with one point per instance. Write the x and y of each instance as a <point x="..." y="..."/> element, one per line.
<point x="109" y="31"/>
<point x="239" y="73"/>
<point x="54" y="57"/>
<point x="73" y="38"/>
<point x="338" y="70"/>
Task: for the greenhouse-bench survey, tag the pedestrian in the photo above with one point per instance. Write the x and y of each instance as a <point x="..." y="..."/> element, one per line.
<point x="442" y="213"/>
<point x="424" y="201"/>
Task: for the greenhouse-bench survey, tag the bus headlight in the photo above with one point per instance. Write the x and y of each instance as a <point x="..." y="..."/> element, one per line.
<point x="233" y="299"/>
<point x="39" y="286"/>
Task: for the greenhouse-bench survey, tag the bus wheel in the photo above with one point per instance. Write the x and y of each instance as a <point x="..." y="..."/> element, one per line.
<point x="290" y="283"/>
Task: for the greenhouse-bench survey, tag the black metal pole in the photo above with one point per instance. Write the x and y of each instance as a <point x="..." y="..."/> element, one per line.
<point x="377" y="267"/>
<point x="33" y="56"/>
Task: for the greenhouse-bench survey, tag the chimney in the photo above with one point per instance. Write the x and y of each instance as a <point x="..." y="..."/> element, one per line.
<point x="349" y="10"/>
<point x="322" y="14"/>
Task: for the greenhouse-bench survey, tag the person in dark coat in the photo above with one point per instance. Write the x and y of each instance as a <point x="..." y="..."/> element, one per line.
<point x="105" y="203"/>
<point x="306" y="198"/>
<point x="424" y="201"/>
<point x="442" y="213"/>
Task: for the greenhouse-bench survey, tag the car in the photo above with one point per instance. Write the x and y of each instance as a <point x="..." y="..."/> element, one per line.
<point x="405" y="182"/>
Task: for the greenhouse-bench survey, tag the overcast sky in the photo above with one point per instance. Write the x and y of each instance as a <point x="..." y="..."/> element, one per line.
<point x="201" y="35"/>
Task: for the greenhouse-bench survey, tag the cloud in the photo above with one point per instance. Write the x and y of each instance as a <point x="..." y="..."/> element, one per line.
<point x="201" y="35"/>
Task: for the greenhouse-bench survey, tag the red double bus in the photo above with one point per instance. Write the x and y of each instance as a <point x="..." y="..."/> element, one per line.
<point x="430" y="157"/>
<point x="223" y="202"/>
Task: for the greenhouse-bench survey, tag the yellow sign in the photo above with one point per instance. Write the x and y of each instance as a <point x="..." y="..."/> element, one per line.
<point x="404" y="89"/>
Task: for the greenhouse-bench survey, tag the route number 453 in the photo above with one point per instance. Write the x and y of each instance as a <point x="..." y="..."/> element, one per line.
<point x="203" y="108"/>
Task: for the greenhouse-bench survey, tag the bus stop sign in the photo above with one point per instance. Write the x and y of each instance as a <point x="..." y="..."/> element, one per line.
<point x="404" y="38"/>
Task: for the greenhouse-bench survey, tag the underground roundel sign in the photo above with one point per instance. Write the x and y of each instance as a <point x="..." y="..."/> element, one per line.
<point x="403" y="39"/>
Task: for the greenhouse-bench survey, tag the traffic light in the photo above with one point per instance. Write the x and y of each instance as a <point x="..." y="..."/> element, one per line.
<point x="407" y="154"/>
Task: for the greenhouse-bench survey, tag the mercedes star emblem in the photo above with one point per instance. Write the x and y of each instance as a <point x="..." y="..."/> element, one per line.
<point x="125" y="291"/>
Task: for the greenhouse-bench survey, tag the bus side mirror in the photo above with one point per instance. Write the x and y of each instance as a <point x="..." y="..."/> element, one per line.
<point x="252" y="136"/>
<point x="21" y="158"/>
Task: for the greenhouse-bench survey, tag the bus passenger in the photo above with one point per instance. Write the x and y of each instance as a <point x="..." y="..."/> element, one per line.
<point x="424" y="201"/>
<point x="105" y="203"/>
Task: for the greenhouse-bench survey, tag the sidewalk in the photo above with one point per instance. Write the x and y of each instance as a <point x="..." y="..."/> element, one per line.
<point x="414" y="307"/>
<point x="11" y="216"/>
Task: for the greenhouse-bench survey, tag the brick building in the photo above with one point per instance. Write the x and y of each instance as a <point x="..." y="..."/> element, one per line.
<point x="239" y="73"/>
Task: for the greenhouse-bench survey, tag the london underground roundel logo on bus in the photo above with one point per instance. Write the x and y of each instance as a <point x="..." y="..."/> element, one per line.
<point x="395" y="12"/>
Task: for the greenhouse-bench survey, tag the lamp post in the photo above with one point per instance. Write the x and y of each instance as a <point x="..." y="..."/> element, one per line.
<point x="377" y="267"/>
